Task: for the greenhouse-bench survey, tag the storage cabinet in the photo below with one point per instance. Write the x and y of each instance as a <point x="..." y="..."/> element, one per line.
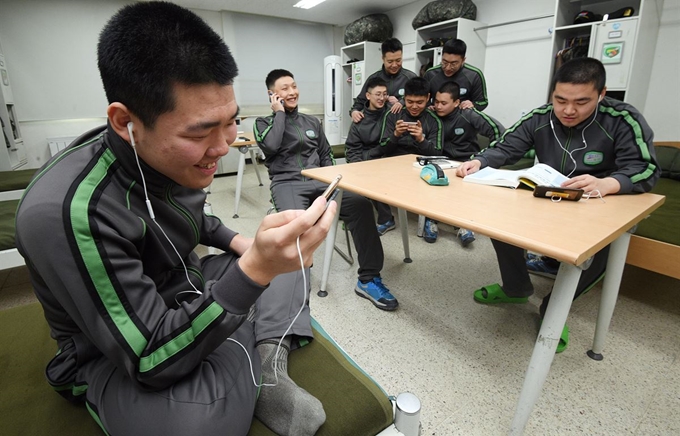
<point x="359" y="61"/>
<point x="12" y="152"/>
<point x="625" y="45"/>
<point x="460" y="28"/>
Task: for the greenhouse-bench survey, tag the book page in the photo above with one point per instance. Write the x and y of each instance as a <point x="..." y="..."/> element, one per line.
<point x="495" y="177"/>
<point x="544" y="175"/>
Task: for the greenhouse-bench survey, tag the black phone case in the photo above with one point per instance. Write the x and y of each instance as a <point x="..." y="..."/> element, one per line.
<point x="557" y="192"/>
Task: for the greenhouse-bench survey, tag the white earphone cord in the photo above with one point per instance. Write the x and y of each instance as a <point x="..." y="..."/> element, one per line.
<point x="196" y="291"/>
<point x="583" y="137"/>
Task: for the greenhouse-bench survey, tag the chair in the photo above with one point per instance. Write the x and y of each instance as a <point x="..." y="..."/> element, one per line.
<point x="354" y="403"/>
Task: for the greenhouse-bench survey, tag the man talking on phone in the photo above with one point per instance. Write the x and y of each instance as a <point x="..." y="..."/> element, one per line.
<point x="292" y="141"/>
<point x="604" y="147"/>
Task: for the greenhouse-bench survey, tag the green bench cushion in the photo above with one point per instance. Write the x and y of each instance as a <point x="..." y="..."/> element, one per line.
<point x="664" y="223"/>
<point x="8" y="211"/>
<point x="15" y="180"/>
<point x="29" y="406"/>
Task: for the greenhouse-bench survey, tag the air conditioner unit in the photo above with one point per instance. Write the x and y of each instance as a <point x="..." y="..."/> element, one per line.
<point x="332" y="99"/>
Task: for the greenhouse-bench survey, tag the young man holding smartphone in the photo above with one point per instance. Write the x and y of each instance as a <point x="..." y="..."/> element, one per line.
<point x="413" y="130"/>
<point x="292" y="141"/>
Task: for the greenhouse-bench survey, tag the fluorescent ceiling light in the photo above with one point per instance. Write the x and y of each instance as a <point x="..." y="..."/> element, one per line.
<point x="306" y="4"/>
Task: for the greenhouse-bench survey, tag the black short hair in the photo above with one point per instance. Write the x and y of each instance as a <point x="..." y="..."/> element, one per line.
<point x="375" y="81"/>
<point x="581" y="71"/>
<point x="417" y="86"/>
<point x="451" y="88"/>
<point x="390" y="46"/>
<point x="275" y="75"/>
<point x="455" y="47"/>
<point x="148" y="47"/>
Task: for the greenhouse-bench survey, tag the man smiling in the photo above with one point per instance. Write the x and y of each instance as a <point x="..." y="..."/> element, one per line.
<point x="153" y="339"/>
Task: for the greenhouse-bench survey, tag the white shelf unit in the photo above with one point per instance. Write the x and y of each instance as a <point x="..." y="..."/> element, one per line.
<point x="626" y="45"/>
<point x="460" y="28"/>
<point x="12" y="152"/>
<point x="359" y="61"/>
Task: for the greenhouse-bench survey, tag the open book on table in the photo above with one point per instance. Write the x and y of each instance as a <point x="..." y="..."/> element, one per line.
<point x="539" y="174"/>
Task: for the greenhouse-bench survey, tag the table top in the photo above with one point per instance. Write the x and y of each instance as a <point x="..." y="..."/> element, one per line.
<point x="567" y="230"/>
<point x="239" y="142"/>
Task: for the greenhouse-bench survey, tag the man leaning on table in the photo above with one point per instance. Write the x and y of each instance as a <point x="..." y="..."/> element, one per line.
<point x="603" y="145"/>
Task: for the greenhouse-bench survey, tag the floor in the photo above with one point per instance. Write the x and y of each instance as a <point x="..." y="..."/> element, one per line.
<point x="466" y="361"/>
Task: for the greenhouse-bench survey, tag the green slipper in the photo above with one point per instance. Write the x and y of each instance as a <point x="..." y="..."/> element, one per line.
<point x="564" y="339"/>
<point x="493" y="294"/>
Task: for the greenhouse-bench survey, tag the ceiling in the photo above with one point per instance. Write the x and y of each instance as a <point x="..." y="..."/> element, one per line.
<point x="336" y="12"/>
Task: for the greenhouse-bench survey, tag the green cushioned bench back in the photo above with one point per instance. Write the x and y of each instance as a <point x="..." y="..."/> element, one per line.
<point x="15" y="180"/>
<point x="664" y="223"/>
<point x="28" y="406"/>
<point x="8" y="211"/>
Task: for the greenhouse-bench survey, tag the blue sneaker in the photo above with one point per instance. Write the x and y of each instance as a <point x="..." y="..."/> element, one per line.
<point x="386" y="227"/>
<point x="431" y="231"/>
<point x="466" y="236"/>
<point x="539" y="266"/>
<point x="377" y="293"/>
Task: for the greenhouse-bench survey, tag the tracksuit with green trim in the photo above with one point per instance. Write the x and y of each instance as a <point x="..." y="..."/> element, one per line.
<point x="363" y="137"/>
<point x="395" y="86"/>
<point x="146" y="355"/>
<point x="292" y="142"/>
<point x="391" y="145"/>
<point x="460" y="132"/>
<point x="618" y="144"/>
<point x="470" y="79"/>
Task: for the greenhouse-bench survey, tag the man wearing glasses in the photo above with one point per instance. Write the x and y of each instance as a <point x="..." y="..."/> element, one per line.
<point x="365" y="136"/>
<point x="394" y="76"/>
<point x="454" y="69"/>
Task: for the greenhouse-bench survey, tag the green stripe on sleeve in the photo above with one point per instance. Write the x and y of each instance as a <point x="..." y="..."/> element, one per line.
<point x="89" y="253"/>
<point x="200" y="323"/>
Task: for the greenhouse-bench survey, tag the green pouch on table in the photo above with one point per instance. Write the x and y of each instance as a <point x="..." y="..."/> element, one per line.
<point x="434" y="175"/>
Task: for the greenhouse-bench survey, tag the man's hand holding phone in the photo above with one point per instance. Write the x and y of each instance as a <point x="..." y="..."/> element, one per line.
<point x="276" y="102"/>
<point x="274" y="250"/>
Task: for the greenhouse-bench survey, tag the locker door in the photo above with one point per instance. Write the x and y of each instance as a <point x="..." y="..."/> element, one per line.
<point x="614" y="45"/>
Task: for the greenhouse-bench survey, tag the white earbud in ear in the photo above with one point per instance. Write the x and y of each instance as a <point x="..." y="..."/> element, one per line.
<point x="130" y="125"/>
<point x="599" y="99"/>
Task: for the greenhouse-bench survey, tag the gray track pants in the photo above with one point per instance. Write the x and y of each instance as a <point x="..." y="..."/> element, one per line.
<point x="219" y="397"/>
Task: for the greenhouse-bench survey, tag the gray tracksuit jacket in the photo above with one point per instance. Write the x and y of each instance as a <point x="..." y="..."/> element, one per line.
<point x="470" y="79"/>
<point x="106" y="276"/>
<point x="619" y="144"/>
<point x="391" y="145"/>
<point x="364" y="135"/>
<point x="395" y="86"/>
<point x="460" y="132"/>
<point x="292" y="142"/>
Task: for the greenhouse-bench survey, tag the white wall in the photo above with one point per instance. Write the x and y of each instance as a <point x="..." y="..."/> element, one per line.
<point x="50" y="48"/>
<point x="662" y="109"/>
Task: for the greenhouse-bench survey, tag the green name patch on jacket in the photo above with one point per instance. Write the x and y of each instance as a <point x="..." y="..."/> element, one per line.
<point x="593" y="158"/>
<point x="310" y="134"/>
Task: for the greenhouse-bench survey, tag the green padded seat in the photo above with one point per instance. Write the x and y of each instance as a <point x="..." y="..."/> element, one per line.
<point x="663" y="224"/>
<point x="15" y="180"/>
<point x="8" y="211"/>
<point x="29" y="406"/>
